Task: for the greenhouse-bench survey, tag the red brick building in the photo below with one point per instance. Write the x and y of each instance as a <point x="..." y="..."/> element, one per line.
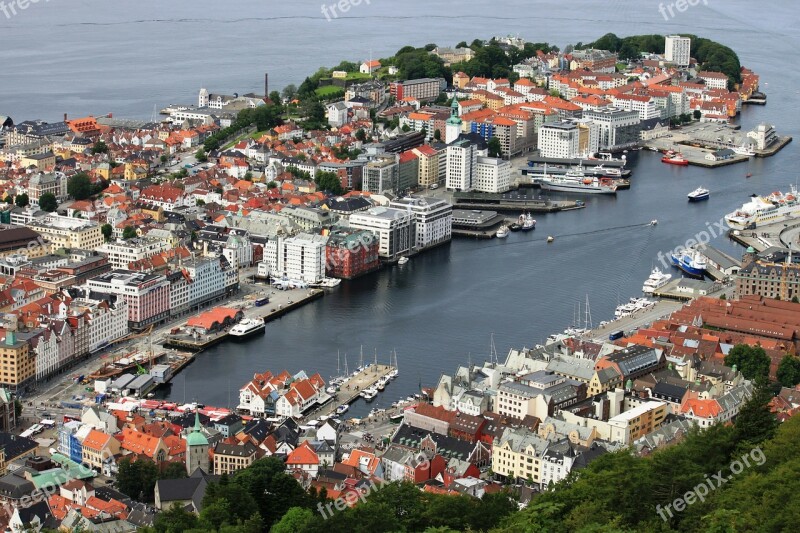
<point x="350" y="254"/>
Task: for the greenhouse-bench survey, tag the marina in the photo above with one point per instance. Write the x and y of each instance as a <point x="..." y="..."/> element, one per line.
<point x="356" y="384"/>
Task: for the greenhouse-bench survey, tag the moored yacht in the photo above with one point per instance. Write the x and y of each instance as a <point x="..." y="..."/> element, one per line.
<point x="656" y="280"/>
<point x="246" y="328"/>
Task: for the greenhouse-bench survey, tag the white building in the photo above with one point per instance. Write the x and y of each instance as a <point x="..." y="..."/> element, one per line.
<point x="677" y="50"/>
<point x="211" y="278"/>
<point x="392" y="226"/>
<point x="559" y="140"/>
<point x="303" y="258"/>
<point x="433" y="220"/>
<point x="122" y="253"/>
<point x="714" y="80"/>
<point x="617" y="128"/>
<point x="492" y="175"/>
<point x="462" y="156"/>
<point x="107" y="321"/>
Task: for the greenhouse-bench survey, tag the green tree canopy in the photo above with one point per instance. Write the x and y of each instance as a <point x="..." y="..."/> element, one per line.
<point x="99" y="148"/>
<point x="128" y="232"/>
<point x="79" y="186"/>
<point x="752" y="361"/>
<point x="48" y="202"/>
<point x="495" y="148"/>
<point x="107" y="230"/>
<point x="329" y="181"/>
<point x="22" y="200"/>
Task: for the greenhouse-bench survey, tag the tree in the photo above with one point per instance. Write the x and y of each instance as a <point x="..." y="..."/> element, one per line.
<point x="201" y="156"/>
<point x="752" y="361"/>
<point x="272" y="184"/>
<point x="495" y="148"/>
<point x="361" y="135"/>
<point x="17" y="409"/>
<point x="22" y="200"/>
<point x="437" y="134"/>
<point x="289" y="92"/>
<point x="788" y="373"/>
<point x="296" y="519"/>
<point x="99" y="148"/>
<point x="175" y="519"/>
<point x="174" y="471"/>
<point x="107" y="231"/>
<point x="755" y="423"/>
<point x="248" y="176"/>
<point x="329" y="181"/>
<point x="462" y="44"/>
<point x="79" y="186"/>
<point x="163" y="159"/>
<point x="275" y="97"/>
<point x="129" y="232"/>
<point x="48" y="202"/>
<point x="275" y="491"/>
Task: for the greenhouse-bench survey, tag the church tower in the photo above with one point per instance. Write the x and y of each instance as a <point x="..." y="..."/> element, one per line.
<point x="196" y="448"/>
<point x="453" y="125"/>
<point x="202" y="100"/>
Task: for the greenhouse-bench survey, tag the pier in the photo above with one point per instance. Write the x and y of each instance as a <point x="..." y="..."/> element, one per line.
<point x="512" y="201"/>
<point x="352" y="389"/>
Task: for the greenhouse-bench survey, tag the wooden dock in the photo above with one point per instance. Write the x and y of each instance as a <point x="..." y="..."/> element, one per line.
<point x="352" y="389"/>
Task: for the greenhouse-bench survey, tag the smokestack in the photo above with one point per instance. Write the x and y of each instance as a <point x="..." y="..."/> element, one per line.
<point x="65" y="117"/>
<point x="266" y="84"/>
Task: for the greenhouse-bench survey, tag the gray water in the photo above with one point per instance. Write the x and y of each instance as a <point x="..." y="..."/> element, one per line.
<point x="438" y="311"/>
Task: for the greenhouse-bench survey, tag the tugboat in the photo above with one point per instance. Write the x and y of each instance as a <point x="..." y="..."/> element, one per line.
<point x="698" y="195"/>
<point x="528" y="222"/>
<point x="674" y="158"/>
<point x="514" y="227"/>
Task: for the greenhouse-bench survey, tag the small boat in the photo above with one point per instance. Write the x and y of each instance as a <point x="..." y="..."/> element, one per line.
<point x="698" y="195"/>
<point x="502" y="233"/>
<point x="247" y="327"/>
<point x="326" y="283"/>
<point x="333" y="389"/>
<point x="342" y="409"/>
<point x="749" y="175"/>
<point x="528" y="222"/>
<point x="654" y="222"/>
<point x="550" y="238"/>
<point x="675" y="159"/>
<point x="396" y="418"/>
<point x="403" y="260"/>
<point x="514" y="227"/>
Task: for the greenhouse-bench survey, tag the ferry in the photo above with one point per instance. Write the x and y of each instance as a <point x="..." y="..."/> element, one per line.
<point x="247" y="327"/>
<point x="502" y="233"/>
<point x="698" y="195"/>
<point x="578" y="182"/>
<point x="691" y="263"/>
<point x="762" y="210"/>
<point x="527" y="221"/>
<point x="656" y="280"/>
<point x="675" y="158"/>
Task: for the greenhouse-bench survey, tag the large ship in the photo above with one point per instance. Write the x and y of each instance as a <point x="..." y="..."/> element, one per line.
<point x="690" y="262"/>
<point x="246" y="328"/>
<point x="578" y="182"/>
<point x="761" y="210"/>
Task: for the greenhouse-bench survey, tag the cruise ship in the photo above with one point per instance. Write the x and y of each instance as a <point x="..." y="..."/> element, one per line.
<point x="246" y="328"/>
<point x="690" y="262"/>
<point x="762" y="210"/>
<point x="656" y="280"/>
<point x="578" y="182"/>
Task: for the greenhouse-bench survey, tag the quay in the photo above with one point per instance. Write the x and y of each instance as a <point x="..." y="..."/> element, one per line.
<point x="476" y="223"/>
<point x="779" y="235"/>
<point x="187" y="339"/>
<point x="661" y="310"/>
<point x="352" y="389"/>
<point x="512" y="201"/>
<point x="686" y="289"/>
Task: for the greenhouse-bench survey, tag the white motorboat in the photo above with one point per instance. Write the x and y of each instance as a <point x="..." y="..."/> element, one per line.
<point x="246" y="328"/>
<point x="656" y="280"/>
<point x="403" y="260"/>
<point x="502" y="233"/>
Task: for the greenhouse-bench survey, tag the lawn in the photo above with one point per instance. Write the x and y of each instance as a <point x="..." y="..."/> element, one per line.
<point x="329" y="91"/>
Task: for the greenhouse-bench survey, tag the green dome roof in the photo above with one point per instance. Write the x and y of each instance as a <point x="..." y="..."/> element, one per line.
<point x="196" y="437"/>
<point x="751" y="250"/>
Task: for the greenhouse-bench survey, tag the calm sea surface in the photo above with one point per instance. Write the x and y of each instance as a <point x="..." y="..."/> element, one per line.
<point x="93" y="57"/>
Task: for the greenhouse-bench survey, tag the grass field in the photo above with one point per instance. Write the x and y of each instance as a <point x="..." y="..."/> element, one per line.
<point x="329" y="91"/>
